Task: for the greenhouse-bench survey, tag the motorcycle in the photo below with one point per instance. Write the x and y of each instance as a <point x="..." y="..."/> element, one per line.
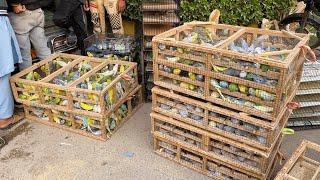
<point x="307" y="22"/>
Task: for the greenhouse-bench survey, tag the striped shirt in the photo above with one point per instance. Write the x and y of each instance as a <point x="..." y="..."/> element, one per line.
<point x="3" y="12"/>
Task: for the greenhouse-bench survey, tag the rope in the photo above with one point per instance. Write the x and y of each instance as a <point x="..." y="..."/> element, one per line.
<point x="306" y="49"/>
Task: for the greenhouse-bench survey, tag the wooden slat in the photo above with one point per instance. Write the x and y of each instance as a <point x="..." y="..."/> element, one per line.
<point x="180" y="78"/>
<point x="235" y="36"/>
<point x="181" y="66"/>
<point x="66" y="67"/>
<point x="316" y="174"/>
<point x="240" y="116"/>
<point x="242" y="81"/>
<point x="35" y="66"/>
<point x="299" y="154"/>
<point x="88" y="74"/>
<point x="290" y="177"/>
<point x="244" y="96"/>
<point x="270" y="74"/>
<point x="203" y="154"/>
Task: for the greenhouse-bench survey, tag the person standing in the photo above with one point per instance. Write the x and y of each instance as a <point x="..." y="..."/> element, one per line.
<point x="9" y="55"/>
<point x="27" y="20"/>
<point x="70" y="13"/>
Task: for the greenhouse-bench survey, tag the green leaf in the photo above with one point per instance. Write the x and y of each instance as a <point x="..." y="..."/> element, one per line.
<point x="237" y="12"/>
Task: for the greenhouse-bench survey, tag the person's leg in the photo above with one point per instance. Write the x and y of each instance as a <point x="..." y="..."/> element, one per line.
<point x="115" y="18"/>
<point x="22" y="24"/>
<point x="6" y="101"/>
<point x="6" y="67"/>
<point x="69" y="13"/>
<point x="79" y="27"/>
<point x="7" y="115"/>
<point x="89" y="23"/>
<point x="25" y="49"/>
<point x="108" y="24"/>
<point x="63" y="13"/>
<point x="37" y="36"/>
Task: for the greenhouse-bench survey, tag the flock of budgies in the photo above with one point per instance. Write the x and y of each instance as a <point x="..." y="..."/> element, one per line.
<point x="84" y="122"/>
<point x="73" y="74"/>
<point x="109" y="56"/>
<point x="244" y="74"/>
<point x="263" y="43"/>
<point x="96" y="82"/>
<point x="39" y="74"/>
<point x="218" y="84"/>
<point x="256" y="47"/>
<point x="236" y="157"/>
<point x="189" y="157"/>
<point x="184" y="110"/>
<point x="232" y="87"/>
<point x="204" y="36"/>
<point x="242" y="71"/>
<point x="117" y="44"/>
<point x="179" y="72"/>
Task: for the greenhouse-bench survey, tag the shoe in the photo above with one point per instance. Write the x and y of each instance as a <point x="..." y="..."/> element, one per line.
<point x="18" y="105"/>
<point x="8" y="123"/>
<point x="5" y="123"/>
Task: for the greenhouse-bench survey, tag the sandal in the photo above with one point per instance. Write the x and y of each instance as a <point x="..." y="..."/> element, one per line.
<point x="12" y="120"/>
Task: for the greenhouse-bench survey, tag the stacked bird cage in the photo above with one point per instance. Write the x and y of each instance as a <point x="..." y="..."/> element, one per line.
<point x="158" y="17"/>
<point x="88" y="96"/>
<point x="221" y="96"/>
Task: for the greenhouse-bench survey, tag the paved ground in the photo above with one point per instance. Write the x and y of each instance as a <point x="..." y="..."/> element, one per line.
<point x="39" y="152"/>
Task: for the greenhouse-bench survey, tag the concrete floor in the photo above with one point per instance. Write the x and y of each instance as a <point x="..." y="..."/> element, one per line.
<point x="36" y="151"/>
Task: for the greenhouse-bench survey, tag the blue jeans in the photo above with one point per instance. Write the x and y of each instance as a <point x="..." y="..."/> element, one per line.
<point x="29" y="27"/>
